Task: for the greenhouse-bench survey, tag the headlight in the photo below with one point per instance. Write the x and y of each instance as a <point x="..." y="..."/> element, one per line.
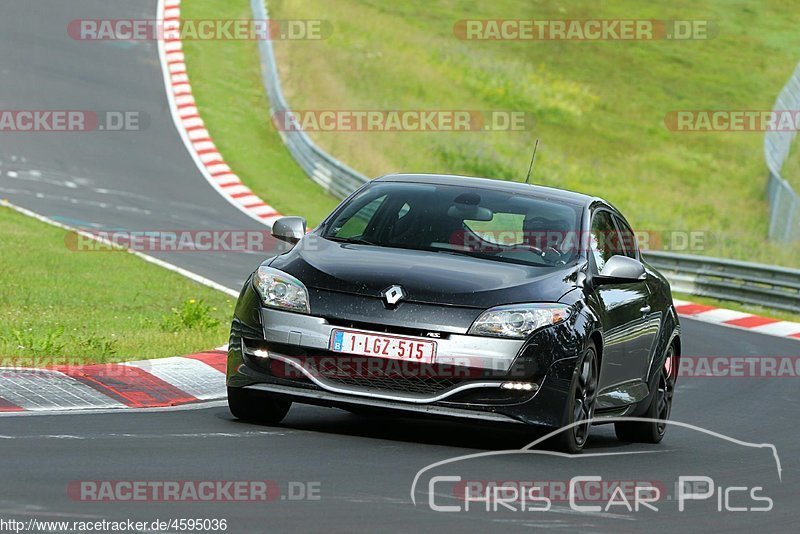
<point x="518" y="320"/>
<point x="281" y="290"/>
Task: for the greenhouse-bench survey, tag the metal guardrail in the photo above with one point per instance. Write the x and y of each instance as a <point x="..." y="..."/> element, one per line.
<point x="784" y="222"/>
<point x="738" y="281"/>
<point x="723" y="279"/>
<point x="331" y="174"/>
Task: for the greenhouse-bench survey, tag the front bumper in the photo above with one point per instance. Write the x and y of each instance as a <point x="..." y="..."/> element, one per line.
<point x="346" y="401"/>
<point x="314" y="333"/>
<point x="287" y="354"/>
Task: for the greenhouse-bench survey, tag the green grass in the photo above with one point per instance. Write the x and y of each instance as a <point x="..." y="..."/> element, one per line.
<point x="226" y="82"/>
<point x="60" y="306"/>
<point x="600" y="106"/>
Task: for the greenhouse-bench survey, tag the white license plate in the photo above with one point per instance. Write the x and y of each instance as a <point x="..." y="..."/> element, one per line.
<point x="377" y="346"/>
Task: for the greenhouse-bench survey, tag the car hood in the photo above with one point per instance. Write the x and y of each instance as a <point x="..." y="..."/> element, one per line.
<point x="426" y="277"/>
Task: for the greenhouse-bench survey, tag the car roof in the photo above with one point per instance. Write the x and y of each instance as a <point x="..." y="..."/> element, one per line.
<point x="497" y="185"/>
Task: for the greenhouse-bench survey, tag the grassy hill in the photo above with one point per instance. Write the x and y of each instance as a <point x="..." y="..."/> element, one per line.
<point x="599" y="106"/>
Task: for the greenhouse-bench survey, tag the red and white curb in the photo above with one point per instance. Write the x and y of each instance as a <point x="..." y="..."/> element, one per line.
<point x="140" y="384"/>
<point x="191" y="126"/>
<point x="737" y="319"/>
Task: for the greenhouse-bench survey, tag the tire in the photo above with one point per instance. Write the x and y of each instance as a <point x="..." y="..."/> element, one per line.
<point x="582" y="399"/>
<point x="256" y="407"/>
<point x="659" y="408"/>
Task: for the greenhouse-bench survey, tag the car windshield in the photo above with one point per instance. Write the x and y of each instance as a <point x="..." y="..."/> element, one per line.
<point x="483" y="223"/>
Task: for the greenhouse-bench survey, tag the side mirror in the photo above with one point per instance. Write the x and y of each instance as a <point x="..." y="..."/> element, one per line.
<point x="621" y="270"/>
<point x="289" y="229"/>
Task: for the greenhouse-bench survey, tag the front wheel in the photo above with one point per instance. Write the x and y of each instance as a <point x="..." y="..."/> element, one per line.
<point x="659" y="409"/>
<point x="580" y="410"/>
<point x="254" y="406"/>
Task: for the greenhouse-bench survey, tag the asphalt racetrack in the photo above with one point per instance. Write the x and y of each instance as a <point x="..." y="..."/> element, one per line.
<point x="329" y="470"/>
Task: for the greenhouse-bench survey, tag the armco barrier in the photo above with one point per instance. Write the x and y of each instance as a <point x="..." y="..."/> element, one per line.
<point x="739" y="281"/>
<point x="331" y="174"/>
<point x="784" y="222"/>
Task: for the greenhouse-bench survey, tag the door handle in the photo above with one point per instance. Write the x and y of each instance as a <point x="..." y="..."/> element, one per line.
<point x="645" y="309"/>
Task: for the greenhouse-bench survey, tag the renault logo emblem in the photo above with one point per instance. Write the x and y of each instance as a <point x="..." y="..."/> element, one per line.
<point x="393" y="295"/>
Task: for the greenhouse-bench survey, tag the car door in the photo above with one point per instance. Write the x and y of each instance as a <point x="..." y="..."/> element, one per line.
<point x="646" y="328"/>
<point x="623" y="308"/>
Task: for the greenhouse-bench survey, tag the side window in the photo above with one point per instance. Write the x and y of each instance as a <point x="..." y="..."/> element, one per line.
<point x="628" y="239"/>
<point x="356" y="224"/>
<point x="605" y="240"/>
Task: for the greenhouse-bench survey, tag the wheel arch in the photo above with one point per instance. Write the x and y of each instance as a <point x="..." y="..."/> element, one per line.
<point x="675" y="341"/>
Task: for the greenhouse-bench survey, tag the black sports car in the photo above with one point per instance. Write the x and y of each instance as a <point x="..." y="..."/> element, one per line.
<point x="463" y="297"/>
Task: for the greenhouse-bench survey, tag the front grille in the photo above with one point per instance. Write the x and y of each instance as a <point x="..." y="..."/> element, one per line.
<point x="387" y="375"/>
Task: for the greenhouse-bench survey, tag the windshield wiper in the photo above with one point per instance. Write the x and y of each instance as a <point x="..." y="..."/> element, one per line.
<point x="352" y="240"/>
<point x="453" y="252"/>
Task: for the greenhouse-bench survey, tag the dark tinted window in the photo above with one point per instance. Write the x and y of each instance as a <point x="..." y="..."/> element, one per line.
<point x="483" y="223"/>
<point x="628" y="239"/>
<point x="605" y="241"/>
<point x="357" y="221"/>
